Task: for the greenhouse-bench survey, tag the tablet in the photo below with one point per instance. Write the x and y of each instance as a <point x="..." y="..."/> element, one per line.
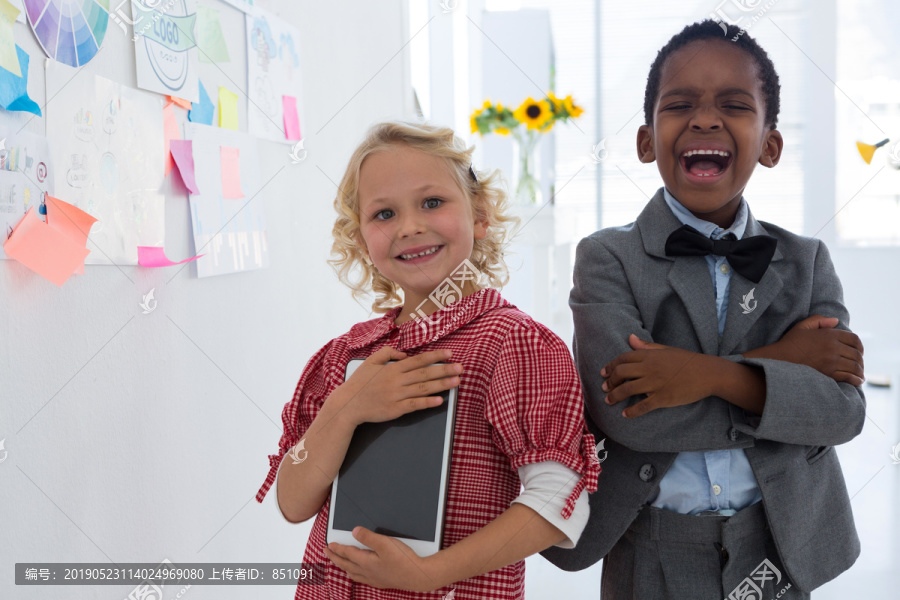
<point x="393" y="480"/>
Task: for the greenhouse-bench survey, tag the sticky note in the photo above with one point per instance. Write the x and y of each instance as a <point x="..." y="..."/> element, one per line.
<point x="183" y="153"/>
<point x="171" y="131"/>
<point x="202" y="112"/>
<point x="291" y="121"/>
<point x="179" y="101"/>
<point x="151" y="256"/>
<point x="228" y="114"/>
<point x="14" y="90"/>
<point x="47" y="251"/>
<point x="9" y="58"/>
<point x="231" y="172"/>
<point x="210" y="40"/>
<point x="71" y="221"/>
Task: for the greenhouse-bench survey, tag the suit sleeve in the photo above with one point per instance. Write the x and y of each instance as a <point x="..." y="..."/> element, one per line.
<point x="804" y="406"/>
<point x="605" y="313"/>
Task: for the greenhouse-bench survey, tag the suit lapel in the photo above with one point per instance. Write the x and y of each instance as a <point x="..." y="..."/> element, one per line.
<point x="688" y="275"/>
<point x="747" y="301"/>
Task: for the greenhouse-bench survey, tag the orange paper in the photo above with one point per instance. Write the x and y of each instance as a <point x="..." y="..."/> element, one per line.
<point x="170" y="126"/>
<point x="231" y="172"/>
<point x="180" y="102"/>
<point x="50" y="252"/>
<point x="71" y="221"/>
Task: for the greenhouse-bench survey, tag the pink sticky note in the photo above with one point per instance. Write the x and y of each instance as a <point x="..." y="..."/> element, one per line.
<point x="71" y="221"/>
<point x="151" y="256"/>
<point x="231" y="172"/>
<point x="183" y="153"/>
<point x="291" y="121"/>
<point x="45" y="250"/>
<point x="170" y="127"/>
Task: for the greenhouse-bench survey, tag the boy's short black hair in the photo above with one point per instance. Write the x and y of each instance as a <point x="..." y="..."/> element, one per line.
<point x="710" y="29"/>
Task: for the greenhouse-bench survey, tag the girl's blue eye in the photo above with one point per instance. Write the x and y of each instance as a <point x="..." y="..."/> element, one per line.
<point x="381" y="212"/>
<point x="438" y="200"/>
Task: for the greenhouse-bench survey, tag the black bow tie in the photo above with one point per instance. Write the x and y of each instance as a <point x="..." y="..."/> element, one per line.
<point x="750" y="256"/>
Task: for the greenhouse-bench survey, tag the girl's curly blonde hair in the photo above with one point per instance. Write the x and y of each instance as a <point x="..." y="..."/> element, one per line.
<point x="488" y="197"/>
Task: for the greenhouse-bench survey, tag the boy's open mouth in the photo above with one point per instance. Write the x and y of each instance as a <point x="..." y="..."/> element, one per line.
<point x="705" y="162"/>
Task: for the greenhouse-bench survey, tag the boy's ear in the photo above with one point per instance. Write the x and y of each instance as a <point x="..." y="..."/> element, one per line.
<point x="645" y="151"/>
<point x="771" y="150"/>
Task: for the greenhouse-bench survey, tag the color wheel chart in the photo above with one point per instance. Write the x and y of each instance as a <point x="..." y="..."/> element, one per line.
<point x="69" y="31"/>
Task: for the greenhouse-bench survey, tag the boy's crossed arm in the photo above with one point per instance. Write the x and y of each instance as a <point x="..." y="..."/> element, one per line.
<point x="797" y="404"/>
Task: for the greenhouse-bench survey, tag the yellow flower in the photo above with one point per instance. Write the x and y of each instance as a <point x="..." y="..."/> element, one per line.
<point x="502" y="130"/>
<point x="534" y="114"/>
<point x="574" y="111"/>
<point x="487" y="104"/>
<point x="473" y="124"/>
<point x="557" y="103"/>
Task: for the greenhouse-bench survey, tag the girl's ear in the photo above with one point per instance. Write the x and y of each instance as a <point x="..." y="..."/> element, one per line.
<point x="645" y="151"/>
<point x="481" y="228"/>
<point x="771" y="150"/>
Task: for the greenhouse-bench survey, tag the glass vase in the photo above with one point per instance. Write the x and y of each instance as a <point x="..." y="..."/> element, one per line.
<point x="526" y="165"/>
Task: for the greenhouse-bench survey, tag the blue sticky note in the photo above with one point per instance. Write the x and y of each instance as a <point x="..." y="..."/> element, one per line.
<point x="202" y="112"/>
<point x="14" y="89"/>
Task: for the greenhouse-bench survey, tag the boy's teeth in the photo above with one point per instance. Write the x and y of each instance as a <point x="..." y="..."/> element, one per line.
<point x="690" y="153"/>
<point x="409" y="256"/>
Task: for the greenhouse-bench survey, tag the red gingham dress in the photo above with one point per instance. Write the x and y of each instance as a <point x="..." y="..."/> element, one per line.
<point x="520" y="402"/>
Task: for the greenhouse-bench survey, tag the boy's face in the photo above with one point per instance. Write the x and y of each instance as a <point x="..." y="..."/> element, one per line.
<point x="409" y="204"/>
<point x="709" y="129"/>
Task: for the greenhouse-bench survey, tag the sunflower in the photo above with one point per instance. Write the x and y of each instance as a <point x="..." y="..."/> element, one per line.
<point x="571" y="108"/>
<point x="556" y="102"/>
<point x="533" y="113"/>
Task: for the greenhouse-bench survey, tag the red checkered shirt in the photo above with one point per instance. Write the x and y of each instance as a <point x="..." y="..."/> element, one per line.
<point x="520" y="402"/>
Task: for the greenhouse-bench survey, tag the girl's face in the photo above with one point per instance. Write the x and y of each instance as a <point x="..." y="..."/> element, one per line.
<point x="408" y="205"/>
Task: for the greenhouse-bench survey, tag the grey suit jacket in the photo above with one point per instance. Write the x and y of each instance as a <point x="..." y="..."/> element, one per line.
<point x="625" y="283"/>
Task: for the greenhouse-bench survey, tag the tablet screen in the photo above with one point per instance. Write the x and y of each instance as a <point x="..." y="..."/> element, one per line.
<point x="390" y="480"/>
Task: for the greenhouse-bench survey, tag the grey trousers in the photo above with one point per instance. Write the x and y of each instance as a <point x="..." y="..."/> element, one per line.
<point x="665" y="555"/>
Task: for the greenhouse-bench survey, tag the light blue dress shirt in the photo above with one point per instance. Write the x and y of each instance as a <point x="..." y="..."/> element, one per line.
<point x="718" y="480"/>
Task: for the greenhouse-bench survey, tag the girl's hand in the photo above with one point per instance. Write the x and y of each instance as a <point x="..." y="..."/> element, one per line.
<point x="378" y="391"/>
<point x="389" y="564"/>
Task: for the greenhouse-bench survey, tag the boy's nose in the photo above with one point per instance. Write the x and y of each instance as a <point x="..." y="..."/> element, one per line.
<point x="706" y="119"/>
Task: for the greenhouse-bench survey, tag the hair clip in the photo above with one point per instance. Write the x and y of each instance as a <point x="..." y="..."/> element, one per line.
<point x="472" y="173"/>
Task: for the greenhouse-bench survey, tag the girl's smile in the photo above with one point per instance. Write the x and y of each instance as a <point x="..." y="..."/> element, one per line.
<point x="417" y="225"/>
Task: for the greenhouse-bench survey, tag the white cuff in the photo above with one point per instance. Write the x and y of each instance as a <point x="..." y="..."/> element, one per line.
<point x="548" y="485"/>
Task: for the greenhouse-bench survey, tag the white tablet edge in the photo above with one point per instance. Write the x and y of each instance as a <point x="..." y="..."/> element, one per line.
<point x="420" y="547"/>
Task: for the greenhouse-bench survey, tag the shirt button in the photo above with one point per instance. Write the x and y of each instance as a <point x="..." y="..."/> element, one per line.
<point x="733" y="434"/>
<point x="647" y="473"/>
<point x="724" y="268"/>
<point x="717" y="489"/>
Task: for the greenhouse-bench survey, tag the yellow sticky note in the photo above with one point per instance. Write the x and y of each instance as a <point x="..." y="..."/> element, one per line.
<point x="228" y="114"/>
<point x="9" y="60"/>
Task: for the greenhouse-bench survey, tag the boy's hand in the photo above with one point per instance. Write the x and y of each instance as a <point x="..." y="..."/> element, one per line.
<point x="378" y="391"/>
<point x="815" y="343"/>
<point x="389" y="564"/>
<point x="669" y="376"/>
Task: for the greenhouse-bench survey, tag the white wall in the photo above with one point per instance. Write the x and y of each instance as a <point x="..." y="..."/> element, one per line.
<point x="135" y="438"/>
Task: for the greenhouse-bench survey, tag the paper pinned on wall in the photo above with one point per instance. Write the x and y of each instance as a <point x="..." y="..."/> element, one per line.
<point x="17" y="4"/>
<point x="228" y="111"/>
<point x="106" y="147"/>
<point x="45" y="250"/>
<point x="70" y="221"/>
<point x="232" y="233"/>
<point x="26" y="171"/>
<point x="183" y="153"/>
<point x="165" y="48"/>
<point x="14" y="90"/>
<point x="9" y="58"/>
<point x="273" y="71"/>
<point x="210" y="39"/>
<point x="170" y="126"/>
<point x="202" y="112"/>
<point x="231" y="172"/>
<point x="152" y="256"/>
<point x="291" y="121"/>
